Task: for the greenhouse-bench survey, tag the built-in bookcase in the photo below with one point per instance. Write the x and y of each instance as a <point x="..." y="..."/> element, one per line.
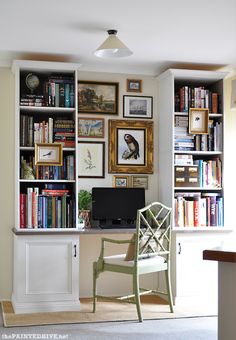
<point x="196" y="195"/>
<point x="46" y="108"/>
<point x="191" y="177"/>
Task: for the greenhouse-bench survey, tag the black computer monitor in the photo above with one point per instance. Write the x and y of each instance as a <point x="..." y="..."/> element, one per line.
<point x="116" y="206"/>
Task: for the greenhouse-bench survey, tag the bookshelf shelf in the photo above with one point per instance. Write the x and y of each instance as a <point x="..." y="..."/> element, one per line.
<point x="177" y="92"/>
<point x="45" y="109"/>
<point x="196" y="189"/>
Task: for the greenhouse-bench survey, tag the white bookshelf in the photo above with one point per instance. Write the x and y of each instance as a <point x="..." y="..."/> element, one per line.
<point x="46" y="259"/>
<point x="42" y="113"/>
<point x="188" y="242"/>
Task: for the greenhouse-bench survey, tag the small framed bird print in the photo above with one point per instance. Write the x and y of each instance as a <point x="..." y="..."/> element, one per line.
<point x="48" y="154"/>
<point x="130" y="146"/>
<point x="137" y="107"/>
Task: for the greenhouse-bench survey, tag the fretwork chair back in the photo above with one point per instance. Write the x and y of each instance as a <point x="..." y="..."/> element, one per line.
<point x="148" y="252"/>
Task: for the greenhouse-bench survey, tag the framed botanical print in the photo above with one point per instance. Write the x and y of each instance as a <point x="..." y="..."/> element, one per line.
<point x="98" y="97"/>
<point x="90" y="160"/>
<point x="130" y="146"/>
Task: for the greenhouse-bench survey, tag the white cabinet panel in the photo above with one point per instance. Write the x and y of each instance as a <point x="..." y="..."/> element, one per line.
<point x="46" y="273"/>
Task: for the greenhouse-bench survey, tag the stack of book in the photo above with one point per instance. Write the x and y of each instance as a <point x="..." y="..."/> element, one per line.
<point x="182" y="140"/>
<point x="64" y="132"/>
<point x="32" y="100"/>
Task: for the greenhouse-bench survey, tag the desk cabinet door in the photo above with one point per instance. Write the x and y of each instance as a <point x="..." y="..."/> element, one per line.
<point x="46" y="268"/>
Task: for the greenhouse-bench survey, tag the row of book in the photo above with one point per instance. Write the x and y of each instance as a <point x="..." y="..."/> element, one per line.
<point x="198" y="210"/>
<point x="46" y="172"/>
<point x="48" y="209"/>
<point x="53" y="130"/>
<point x="210" y="172"/>
<point x="57" y="91"/>
<point x="199" y="142"/>
<point x="187" y="97"/>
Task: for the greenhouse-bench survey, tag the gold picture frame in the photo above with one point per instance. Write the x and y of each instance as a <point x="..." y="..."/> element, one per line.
<point x="198" y="121"/>
<point x="134" y="85"/>
<point x="48" y="154"/>
<point x="121" y="181"/>
<point x="130" y="146"/>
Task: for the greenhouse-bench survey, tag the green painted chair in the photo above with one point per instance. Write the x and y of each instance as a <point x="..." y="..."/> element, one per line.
<point x="148" y="252"/>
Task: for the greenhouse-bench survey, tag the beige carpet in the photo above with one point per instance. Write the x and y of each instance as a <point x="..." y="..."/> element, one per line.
<point x="152" y="308"/>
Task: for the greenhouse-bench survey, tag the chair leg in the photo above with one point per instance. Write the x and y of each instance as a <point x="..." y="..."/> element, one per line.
<point x="94" y="286"/>
<point x="137" y="296"/>
<point x="169" y="291"/>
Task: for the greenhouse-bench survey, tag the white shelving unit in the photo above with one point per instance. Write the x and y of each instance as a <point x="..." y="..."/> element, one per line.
<point x="46" y="264"/>
<point x="192" y="278"/>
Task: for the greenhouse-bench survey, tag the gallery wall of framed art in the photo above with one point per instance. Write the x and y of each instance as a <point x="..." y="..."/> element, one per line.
<point x="133" y="107"/>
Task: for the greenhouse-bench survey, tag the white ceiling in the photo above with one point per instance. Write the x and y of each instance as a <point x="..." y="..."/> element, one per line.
<point x="161" y="33"/>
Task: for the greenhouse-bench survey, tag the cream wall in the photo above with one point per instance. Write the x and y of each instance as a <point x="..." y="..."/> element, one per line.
<point x="6" y="180"/>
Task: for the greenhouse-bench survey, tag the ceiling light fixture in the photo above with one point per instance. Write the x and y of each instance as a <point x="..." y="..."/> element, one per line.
<point x="112" y="47"/>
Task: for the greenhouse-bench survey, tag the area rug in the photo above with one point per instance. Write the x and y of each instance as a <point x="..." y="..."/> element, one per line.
<point x="152" y="308"/>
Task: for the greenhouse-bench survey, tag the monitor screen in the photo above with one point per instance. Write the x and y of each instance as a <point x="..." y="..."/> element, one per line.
<point x="117" y="204"/>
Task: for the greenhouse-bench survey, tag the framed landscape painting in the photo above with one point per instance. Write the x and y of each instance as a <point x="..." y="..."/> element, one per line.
<point x="137" y="106"/>
<point x="91" y="127"/>
<point x="130" y="146"/>
<point x="98" y="97"/>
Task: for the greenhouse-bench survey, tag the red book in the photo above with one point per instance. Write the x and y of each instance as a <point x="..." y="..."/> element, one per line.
<point x="23" y="210"/>
<point x="196" y="213"/>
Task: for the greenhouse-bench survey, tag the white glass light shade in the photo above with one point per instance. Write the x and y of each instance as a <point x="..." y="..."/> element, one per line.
<point x="112" y="47"/>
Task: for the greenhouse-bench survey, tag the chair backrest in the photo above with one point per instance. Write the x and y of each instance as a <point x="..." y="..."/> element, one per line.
<point x="153" y="231"/>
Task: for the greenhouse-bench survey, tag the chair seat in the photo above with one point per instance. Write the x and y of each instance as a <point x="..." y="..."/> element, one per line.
<point x="146" y="261"/>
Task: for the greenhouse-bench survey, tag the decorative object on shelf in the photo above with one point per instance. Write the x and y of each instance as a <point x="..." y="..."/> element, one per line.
<point x="139" y="181"/>
<point x="130" y="146"/>
<point x="137" y="106"/>
<point x="84" y="201"/>
<point x="98" y="97"/>
<point x="120" y="181"/>
<point x="198" y="121"/>
<point x="28" y="172"/>
<point x="134" y="85"/>
<point x="32" y="82"/>
<point x="112" y="47"/>
<point x="48" y="154"/>
<point x="91" y="127"/>
<point x="91" y="159"/>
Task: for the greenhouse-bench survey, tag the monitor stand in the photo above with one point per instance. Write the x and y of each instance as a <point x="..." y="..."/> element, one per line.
<point x="117" y="224"/>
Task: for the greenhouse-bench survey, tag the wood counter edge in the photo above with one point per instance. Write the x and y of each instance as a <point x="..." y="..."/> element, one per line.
<point x="219" y="255"/>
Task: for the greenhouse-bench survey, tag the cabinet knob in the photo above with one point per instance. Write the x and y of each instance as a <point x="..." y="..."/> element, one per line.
<point x="75" y="250"/>
<point x="180" y="249"/>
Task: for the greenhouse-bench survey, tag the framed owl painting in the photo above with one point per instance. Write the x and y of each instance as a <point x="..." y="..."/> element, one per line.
<point x="130" y="146"/>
